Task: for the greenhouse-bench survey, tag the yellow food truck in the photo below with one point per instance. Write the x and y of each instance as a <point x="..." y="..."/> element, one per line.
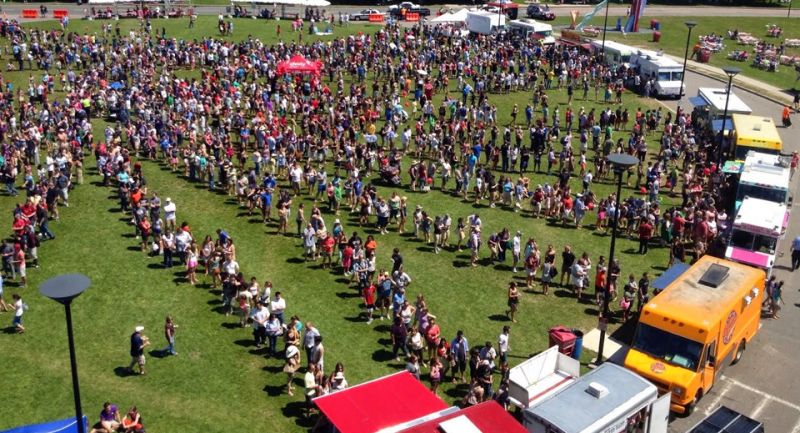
<point x="755" y="133"/>
<point x="697" y="326"/>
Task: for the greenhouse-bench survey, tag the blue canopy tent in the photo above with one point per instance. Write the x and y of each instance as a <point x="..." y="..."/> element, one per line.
<point x="669" y="276"/>
<point x="61" y="426"/>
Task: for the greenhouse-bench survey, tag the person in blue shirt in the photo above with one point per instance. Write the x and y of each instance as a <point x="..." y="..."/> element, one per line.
<point x="459" y="347"/>
<point x="795" y="253"/>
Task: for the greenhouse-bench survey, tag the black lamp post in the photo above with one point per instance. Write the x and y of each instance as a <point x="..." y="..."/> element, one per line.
<point x="690" y="25"/>
<point x="63" y="289"/>
<point x="605" y="26"/>
<point x="620" y="162"/>
<point x="730" y="71"/>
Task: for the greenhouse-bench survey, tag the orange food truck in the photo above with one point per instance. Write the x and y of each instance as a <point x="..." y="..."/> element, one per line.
<point x="701" y="323"/>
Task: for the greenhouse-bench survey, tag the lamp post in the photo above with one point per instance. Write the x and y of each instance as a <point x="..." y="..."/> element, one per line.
<point x="63" y="289"/>
<point x="605" y="26"/>
<point x="731" y="72"/>
<point x="619" y="162"/>
<point x="690" y="25"/>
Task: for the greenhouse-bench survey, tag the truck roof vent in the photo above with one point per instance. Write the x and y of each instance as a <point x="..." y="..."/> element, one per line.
<point x="597" y="390"/>
<point x="715" y="275"/>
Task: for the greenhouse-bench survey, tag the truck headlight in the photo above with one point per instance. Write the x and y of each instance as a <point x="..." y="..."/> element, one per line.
<point x="677" y="390"/>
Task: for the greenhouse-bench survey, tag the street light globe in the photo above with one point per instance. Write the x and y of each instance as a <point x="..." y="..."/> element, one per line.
<point x="690" y="24"/>
<point x="64" y="288"/>
<point x="622" y="161"/>
<point x="731" y="71"/>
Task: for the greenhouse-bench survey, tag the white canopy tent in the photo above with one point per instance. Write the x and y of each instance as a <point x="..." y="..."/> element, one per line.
<point x="311" y="3"/>
<point x="453" y="17"/>
<point x="443" y="18"/>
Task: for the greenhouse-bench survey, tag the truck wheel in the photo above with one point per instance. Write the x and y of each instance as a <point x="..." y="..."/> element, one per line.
<point x="739" y="352"/>
<point x="690" y="408"/>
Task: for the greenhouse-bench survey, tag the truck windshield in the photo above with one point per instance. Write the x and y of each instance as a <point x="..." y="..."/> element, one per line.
<point x="663" y="76"/>
<point x="677" y="75"/>
<point x="753" y="242"/>
<point x="754" y="191"/>
<point x="664" y="345"/>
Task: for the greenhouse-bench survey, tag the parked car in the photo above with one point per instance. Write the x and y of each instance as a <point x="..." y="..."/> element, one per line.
<point x="364" y="14"/>
<point x="394" y="10"/>
<point x="540" y="12"/>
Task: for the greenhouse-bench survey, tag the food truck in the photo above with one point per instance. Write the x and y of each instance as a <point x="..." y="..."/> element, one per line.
<point x="758" y="227"/>
<point x="530" y="28"/>
<point x="764" y="176"/>
<point x="709" y="106"/>
<point x="696" y="327"/>
<point x="534" y="379"/>
<point x="614" y="53"/>
<point x="608" y="399"/>
<point x="755" y="133"/>
<point x="667" y="74"/>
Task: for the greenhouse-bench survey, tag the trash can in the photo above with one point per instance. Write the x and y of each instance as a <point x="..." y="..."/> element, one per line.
<point x="656" y="36"/>
<point x="578" y="348"/>
<point x="704" y="56"/>
<point x="618" y="28"/>
<point x="562" y="337"/>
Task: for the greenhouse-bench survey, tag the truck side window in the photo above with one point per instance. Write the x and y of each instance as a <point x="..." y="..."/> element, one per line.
<point x="711" y="353"/>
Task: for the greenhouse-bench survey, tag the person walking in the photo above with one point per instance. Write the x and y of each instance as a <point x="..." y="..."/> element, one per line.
<point x="169" y="334"/>
<point x="19" y="310"/>
<point x="138" y="343"/>
<point x="777" y="300"/>
<point x="795" y="249"/>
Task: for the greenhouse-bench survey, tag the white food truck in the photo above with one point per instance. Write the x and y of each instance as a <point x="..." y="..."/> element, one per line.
<point x="608" y="399"/>
<point x="709" y="105"/>
<point x="530" y="28"/>
<point x="666" y="73"/>
<point x="615" y="53"/>
<point x="764" y="176"/>
<point x="758" y="227"/>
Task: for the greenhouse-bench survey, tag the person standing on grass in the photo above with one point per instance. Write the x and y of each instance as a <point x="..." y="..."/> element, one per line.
<point x="169" y="334"/>
<point x="20" y="265"/>
<point x="312" y="386"/>
<point x="399" y="335"/>
<point x="19" y="310"/>
<point x="290" y="367"/>
<point x="170" y="213"/>
<point x="513" y="301"/>
<point x="368" y="293"/>
<point x="567" y="260"/>
<point x="138" y="343"/>
<point x="308" y="341"/>
<point x="503" y="346"/>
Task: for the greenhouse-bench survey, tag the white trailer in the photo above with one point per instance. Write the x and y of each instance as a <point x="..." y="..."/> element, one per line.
<point x="538" y="377"/>
<point x="608" y="399"/>
<point x="485" y="23"/>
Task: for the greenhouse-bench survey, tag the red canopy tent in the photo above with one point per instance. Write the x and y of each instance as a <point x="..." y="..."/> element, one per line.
<point x="487" y="417"/>
<point x="299" y="65"/>
<point x="381" y="403"/>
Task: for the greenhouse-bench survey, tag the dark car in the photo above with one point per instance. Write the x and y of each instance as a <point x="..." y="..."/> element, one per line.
<point x="540" y="12"/>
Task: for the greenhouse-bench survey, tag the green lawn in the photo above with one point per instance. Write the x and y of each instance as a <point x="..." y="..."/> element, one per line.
<point x="673" y="41"/>
<point x="219" y="383"/>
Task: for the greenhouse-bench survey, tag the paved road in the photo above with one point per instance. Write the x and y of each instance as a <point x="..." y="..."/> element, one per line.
<point x="764" y="384"/>
<point x="13" y="9"/>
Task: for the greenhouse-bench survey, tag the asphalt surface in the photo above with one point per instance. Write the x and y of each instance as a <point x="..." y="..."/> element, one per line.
<point x="763" y="385"/>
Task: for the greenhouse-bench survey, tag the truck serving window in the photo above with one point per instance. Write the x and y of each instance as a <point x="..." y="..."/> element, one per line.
<point x="753" y="242"/>
<point x="754" y="191"/>
<point x="664" y="345"/>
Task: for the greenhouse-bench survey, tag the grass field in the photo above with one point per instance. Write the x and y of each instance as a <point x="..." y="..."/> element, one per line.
<point x="673" y="41"/>
<point x="219" y="382"/>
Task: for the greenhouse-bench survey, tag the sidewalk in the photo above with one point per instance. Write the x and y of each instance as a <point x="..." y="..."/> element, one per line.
<point x="613" y="350"/>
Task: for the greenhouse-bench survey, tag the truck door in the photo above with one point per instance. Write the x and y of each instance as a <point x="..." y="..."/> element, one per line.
<point x="711" y="366"/>
<point x="659" y="415"/>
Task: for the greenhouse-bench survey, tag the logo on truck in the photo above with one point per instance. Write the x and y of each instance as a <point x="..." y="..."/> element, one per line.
<point x="730" y="324"/>
<point x="657" y="367"/>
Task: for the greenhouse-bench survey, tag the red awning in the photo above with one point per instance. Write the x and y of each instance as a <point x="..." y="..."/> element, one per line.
<point x="380" y="403"/>
<point x="488" y="417"/>
<point x="299" y="65"/>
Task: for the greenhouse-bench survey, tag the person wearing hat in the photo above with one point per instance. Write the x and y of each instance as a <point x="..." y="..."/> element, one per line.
<point x="291" y="366"/>
<point x="138" y="343"/>
<point x="170" y="211"/>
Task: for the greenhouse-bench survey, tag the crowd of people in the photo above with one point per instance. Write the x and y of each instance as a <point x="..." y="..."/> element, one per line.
<point x="338" y="143"/>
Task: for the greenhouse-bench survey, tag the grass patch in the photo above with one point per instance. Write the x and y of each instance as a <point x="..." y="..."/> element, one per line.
<point x="218" y="382"/>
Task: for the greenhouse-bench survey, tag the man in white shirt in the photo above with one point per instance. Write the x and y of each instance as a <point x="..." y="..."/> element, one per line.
<point x="487" y="353"/>
<point x="277" y="306"/>
<point x="170" y="213"/>
<point x="502" y="345"/>
<point x="260" y="315"/>
<point x="182" y="241"/>
<point x="516" y="248"/>
<point x="296" y="176"/>
<point x="231" y="267"/>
